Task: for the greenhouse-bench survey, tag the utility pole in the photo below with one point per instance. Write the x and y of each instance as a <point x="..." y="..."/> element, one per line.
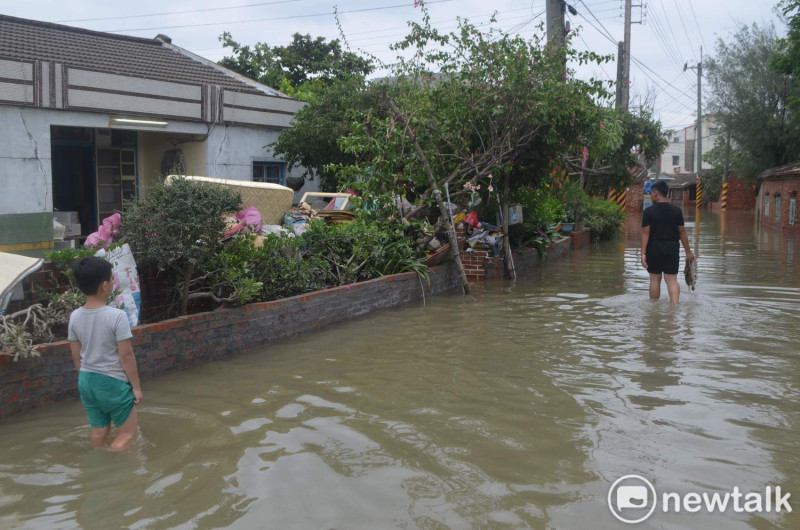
<point x="620" y="75"/>
<point x="555" y="22"/>
<point x="699" y="130"/>
<point x="626" y="74"/>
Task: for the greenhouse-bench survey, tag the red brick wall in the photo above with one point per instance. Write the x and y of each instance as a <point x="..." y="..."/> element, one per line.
<point x="635" y="197"/>
<point x="741" y="196"/>
<point x="186" y="341"/>
<point x="581" y="239"/>
<point x="788" y="189"/>
<point x="47" y="279"/>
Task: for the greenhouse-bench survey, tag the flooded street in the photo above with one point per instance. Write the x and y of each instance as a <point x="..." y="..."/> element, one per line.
<point x="515" y="408"/>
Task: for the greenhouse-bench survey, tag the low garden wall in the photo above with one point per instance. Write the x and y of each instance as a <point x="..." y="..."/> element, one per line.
<point x="190" y="340"/>
<point x="186" y="341"/>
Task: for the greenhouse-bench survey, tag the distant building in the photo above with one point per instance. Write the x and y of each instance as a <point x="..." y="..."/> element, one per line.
<point x="679" y="156"/>
<point x="777" y="197"/>
<point x="90" y="119"/>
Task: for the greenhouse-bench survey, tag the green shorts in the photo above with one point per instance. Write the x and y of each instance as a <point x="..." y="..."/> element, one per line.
<point x="105" y="399"/>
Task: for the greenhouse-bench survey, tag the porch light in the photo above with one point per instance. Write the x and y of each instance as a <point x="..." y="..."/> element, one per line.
<point x="139" y="123"/>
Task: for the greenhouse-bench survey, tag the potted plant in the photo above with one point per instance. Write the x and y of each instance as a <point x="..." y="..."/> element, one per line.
<point x="575" y="205"/>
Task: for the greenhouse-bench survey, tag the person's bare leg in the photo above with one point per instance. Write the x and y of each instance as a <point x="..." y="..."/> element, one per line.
<point x="98" y="436"/>
<point x="655" y="286"/>
<point x="673" y="287"/>
<point x="126" y="433"/>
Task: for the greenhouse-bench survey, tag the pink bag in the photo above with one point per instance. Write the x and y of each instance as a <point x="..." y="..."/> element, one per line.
<point x="249" y="221"/>
<point x="107" y="232"/>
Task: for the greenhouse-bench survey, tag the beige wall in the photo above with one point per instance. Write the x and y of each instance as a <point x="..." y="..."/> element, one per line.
<point x="153" y="145"/>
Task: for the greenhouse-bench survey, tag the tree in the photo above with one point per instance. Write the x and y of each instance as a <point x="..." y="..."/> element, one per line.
<point x="750" y="101"/>
<point x="305" y="60"/>
<point x="312" y="141"/>
<point x="176" y="226"/>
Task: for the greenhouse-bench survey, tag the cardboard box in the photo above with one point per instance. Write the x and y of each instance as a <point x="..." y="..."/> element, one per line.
<point x="73" y="230"/>
<point x="66" y="218"/>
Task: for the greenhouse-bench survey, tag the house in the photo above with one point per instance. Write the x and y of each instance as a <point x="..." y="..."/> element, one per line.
<point x="776" y="203"/>
<point x="90" y="119"/>
<point x="679" y="155"/>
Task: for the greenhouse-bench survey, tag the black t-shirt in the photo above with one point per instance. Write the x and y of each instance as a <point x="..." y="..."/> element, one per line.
<point x="663" y="219"/>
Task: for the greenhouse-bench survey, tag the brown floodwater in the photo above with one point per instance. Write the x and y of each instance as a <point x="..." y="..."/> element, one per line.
<point x="514" y="408"/>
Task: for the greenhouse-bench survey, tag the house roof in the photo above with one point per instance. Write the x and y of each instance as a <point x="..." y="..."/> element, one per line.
<point x="781" y="172"/>
<point x="682" y="180"/>
<point x="25" y="39"/>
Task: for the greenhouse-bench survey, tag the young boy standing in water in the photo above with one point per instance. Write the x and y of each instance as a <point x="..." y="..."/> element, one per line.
<point x="100" y="343"/>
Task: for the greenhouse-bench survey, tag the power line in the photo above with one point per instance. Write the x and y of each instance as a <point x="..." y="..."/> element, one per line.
<point x="699" y="32"/>
<point x="688" y="39"/>
<point x="671" y="32"/>
<point x="370" y="39"/>
<point x="641" y="65"/>
<point x="179" y="12"/>
<point x="287" y="17"/>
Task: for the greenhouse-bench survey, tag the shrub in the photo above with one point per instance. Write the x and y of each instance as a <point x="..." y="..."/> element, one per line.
<point x="605" y="218"/>
<point x="358" y="251"/>
<point x="176" y="226"/>
<point x="242" y="272"/>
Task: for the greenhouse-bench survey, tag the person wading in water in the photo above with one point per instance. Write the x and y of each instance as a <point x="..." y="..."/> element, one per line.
<point x="662" y="229"/>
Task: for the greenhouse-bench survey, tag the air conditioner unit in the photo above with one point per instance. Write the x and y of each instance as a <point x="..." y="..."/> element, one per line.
<point x="676" y="169"/>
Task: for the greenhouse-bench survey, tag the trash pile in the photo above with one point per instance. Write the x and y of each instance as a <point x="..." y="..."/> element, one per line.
<point x="481" y="236"/>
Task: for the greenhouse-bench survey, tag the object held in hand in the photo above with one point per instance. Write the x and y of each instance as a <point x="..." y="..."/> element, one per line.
<point x="690" y="272"/>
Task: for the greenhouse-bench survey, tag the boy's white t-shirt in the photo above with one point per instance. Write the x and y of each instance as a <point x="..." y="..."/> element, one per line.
<point x="99" y="330"/>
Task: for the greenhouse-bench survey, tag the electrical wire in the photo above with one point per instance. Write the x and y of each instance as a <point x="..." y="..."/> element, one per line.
<point x="180" y="12"/>
<point x="287" y="17"/>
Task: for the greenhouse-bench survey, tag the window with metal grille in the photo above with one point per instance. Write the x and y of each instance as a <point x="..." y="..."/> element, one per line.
<point x="676" y="160"/>
<point x="274" y="172"/>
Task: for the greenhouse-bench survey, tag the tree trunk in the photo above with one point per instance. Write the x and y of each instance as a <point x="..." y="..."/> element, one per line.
<point x="512" y="273"/>
<point x="185" y="294"/>
<point x="437" y="194"/>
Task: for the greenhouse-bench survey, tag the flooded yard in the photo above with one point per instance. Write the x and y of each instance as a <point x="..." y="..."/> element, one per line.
<point x="517" y="407"/>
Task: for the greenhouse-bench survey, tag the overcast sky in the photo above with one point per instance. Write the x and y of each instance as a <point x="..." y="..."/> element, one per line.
<point x="672" y="33"/>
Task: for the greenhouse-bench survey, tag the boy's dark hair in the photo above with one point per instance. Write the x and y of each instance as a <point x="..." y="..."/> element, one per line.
<point x="661" y="187"/>
<point x="90" y="272"/>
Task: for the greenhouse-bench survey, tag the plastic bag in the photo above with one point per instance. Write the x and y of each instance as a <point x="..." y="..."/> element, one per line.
<point x="472" y="220"/>
<point x="126" y="281"/>
<point x="107" y="232"/>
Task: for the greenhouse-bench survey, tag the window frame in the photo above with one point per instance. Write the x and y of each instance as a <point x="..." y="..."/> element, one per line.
<point x="281" y="166"/>
<point x="777" y="207"/>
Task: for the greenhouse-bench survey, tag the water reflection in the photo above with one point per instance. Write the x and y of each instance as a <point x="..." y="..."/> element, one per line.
<point x="514" y="408"/>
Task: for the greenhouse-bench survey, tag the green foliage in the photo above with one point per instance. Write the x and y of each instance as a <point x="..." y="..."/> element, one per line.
<point x="312" y="142"/>
<point x="177" y="223"/>
<point x="785" y="59"/>
<point x="751" y="101"/>
<point x="605" y="217"/>
<point x="63" y="259"/>
<point x="304" y="60"/>
<point x="359" y="251"/>
<point x="491" y="104"/>
<point x="242" y="272"/>
<point x="176" y="226"/>
<point x="540" y="206"/>
<point x="575" y="200"/>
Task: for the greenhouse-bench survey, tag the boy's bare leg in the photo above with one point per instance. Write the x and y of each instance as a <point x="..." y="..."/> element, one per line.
<point x="126" y="433"/>
<point x="655" y="286"/>
<point x="673" y="287"/>
<point x="98" y="436"/>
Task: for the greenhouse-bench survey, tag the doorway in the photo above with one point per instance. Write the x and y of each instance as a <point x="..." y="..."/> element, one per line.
<point x="74" y="189"/>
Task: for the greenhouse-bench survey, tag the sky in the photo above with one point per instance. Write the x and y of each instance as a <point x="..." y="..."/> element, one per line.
<point x="670" y="34"/>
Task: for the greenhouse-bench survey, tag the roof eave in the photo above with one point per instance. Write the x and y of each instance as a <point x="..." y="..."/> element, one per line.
<point x="269" y="91"/>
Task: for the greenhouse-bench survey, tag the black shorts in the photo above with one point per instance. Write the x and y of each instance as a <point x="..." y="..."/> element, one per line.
<point x="663" y="257"/>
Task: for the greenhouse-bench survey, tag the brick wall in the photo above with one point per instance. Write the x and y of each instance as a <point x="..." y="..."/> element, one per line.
<point x="190" y="340"/>
<point x="635" y="198"/>
<point x="46" y="279"/>
<point x="788" y="189"/>
<point x="581" y="238"/>
<point x="741" y="196"/>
